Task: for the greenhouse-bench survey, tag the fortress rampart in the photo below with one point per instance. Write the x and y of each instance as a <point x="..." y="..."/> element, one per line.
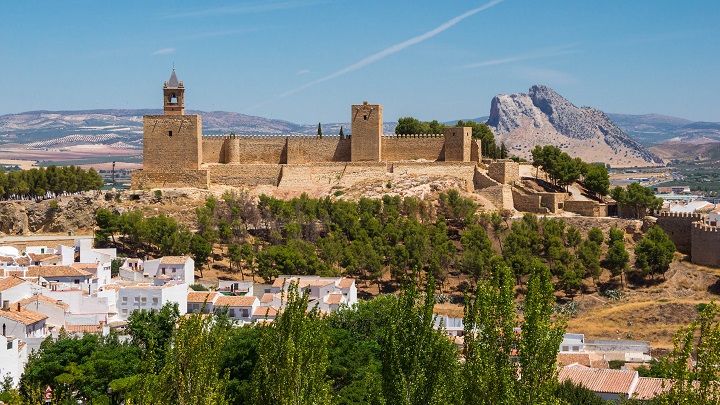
<point x="705" y="249"/>
<point x="678" y="227"/>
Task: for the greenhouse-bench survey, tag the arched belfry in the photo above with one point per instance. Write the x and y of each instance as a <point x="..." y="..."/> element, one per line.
<point x="174" y="96"/>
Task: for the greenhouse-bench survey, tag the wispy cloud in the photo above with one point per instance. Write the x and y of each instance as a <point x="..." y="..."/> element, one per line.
<point x="394" y="49"/>
<point x="303" y="72"/>
<point x="164" y="51"/>
<point x="249" y="8"/>
<point x="539" y="54"/>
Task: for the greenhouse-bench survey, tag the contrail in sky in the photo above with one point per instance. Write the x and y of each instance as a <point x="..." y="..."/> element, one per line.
<point x="394" y="49"/>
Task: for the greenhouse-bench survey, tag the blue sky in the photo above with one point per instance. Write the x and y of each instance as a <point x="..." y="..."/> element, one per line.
<point x="307" y="61"/>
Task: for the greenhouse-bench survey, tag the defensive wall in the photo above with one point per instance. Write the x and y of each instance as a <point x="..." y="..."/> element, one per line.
<point x="586" y="208"/>
<point x="170" y="179"/>
<point x="705" y="242"/>
<point x="678" y="226"/>
<point x="504" y="171"/>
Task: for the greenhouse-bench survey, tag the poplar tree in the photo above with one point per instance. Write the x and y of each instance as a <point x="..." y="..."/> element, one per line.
<point x="292" y="356"/>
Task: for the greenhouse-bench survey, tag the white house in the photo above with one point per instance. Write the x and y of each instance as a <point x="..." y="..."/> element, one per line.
<point x="13" y="357"/>
<point x="236" y="287"/>
<point x="55" y="310"/>
<point x="83" y="309"/>
<point x="238" y="307"/>
<point x="201" y="300"/>
<point x="62" y="277"/>
<point x="88" y="254"/>
<point x="325" y="292"/>
<point x="22" y="323"/>
<point x="101" y="272"/>
<point x="177" y="268"/>
<point x="150" y="296"/>
<point x="132" y="269"/>
<point x="13" y="289"/>
<point x="44" y="259"/>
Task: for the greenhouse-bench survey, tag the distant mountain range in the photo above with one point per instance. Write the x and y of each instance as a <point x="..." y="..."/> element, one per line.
<point x="123" y="127"/>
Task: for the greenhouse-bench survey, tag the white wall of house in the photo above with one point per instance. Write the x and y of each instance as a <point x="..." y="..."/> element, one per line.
<point x="21" y="330"/>
<point x="39" y="250"/>
<point x="90" y="255"/>
<point x="67" y="253"/>
<point x="150" y="268"/>
<point x="12" y="358"/>
<point x="17" y="293"/>
<point x="55" y="314"/>
<point x="82" y="309"/>
<point x="146" y="297"/>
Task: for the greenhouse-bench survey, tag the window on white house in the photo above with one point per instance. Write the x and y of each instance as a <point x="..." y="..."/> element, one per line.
<point x="137" y="299"/>
<point x="143" y="299"/>
<point x="155" y="300"/>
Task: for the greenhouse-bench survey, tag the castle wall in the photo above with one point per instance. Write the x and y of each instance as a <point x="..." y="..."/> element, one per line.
<point x="147" y="178"/>
<point x="213" y="149"/>
<point x="705" y="244"/>
<point x="311" y="175"/>
<point x="678" y="227"/>
<point x="481" y="180"/>
<point x="500" y="195"/>
<point x="504" y="171"/>
<point x="555" y="202"/>
<point x="329" y="149"/>
<point x="357" y="172"/>
<point x="239" y="175"/>
<point x="367" y="130"/>
<point x="457" y="144"/>
<point x="586" y="208"/>
<point x="172" y="142"/>
<point x="528" y="203"/>
<point x="461" y="170"/>
<point x="413" y="147"/>
<point x="475" y="150"/>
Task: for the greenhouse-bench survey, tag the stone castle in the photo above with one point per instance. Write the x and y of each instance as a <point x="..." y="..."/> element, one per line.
<point x="177" y="154"/>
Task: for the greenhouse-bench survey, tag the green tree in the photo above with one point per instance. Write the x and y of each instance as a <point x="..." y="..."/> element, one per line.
<point x="152" y="332"/>
<point x="200" y="249"/>
<point x="319" y="134"/>
<point x="654" y="253"/>
<point x="597" y="180"/>
<point x="539" y="340"/>
<point x="617" y="259"/>
<point x="341" y="134"/>
<point x="589" y="255"/>
<point x="292" y="356"/>
<point x="419" y="363"/>
<point x="488" y="146"/>
<point x="636" y="197"/>
<point x="489" y="375"/>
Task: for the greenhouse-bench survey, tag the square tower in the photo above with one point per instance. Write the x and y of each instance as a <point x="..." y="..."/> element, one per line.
<point x="367" y="131"/>
<point x="457" y="144"/>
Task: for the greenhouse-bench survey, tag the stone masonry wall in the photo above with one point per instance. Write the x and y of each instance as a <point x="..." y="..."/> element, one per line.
<point x="678" y="227"/>
<point x="500" y="195"/>
<point x="412" y="148"/>
<point x="306" y="150"/>
<point x="586" y="208"/>
<point x="238" y="175"/>
<point x="528" y="203"/>
<point x="213" y="149"/>
<point x="481" y="180"/>
<point x="705" y="245"/>
<point x="504" y="171"/>
<point x="172" y="142"/>
<point x="145" y="178"/>
<point x="457" y="144"/>
<point x="367" y="130"/>
<point x="475" y="150"/>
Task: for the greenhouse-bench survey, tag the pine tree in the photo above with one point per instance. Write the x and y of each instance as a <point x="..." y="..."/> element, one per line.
<point x="342" y="135"/>
<point x="319" y="131"/>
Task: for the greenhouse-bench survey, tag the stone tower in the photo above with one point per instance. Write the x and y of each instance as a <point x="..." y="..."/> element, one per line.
<point x="367" y="130"/>
<point x="173" y="141"/>
<point x="174" y="92"/>
<point x="457" y="144"/>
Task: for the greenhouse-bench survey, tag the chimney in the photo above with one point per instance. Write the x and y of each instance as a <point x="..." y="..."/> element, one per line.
<point x="18" y="304"/>
<point x="6" y="305"/>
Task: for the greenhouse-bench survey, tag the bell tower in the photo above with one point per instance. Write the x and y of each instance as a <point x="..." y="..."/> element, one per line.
<point x="174" y="96"/>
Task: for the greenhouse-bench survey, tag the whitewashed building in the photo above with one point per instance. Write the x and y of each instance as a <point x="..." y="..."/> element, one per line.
<point x="150" y="297"/>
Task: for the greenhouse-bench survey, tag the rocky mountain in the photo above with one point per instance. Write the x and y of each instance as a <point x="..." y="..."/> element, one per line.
<point x="543" y="117"/>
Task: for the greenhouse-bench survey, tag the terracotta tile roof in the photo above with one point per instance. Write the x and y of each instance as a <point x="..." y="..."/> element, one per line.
<point x="567" y="359"/>
<point x="599" y="380"/>
<point x="83" y="328"/>
<point x="235" y="301"/>
<point x="173" y="260"/>
<point x="201" y="296"/>
<point x="45" y="257"/>
<point x="346" y="282"/>
<point x="315" y="283"/>
<point x="21" y="345"/>
<point x="55" y="271"/>
<point x="45" y="299"/>
<point x="334" y="298"/>
<point x="649" y="388"/>
<point x="10" y="282"/>
<point x="24" y="316"/>
<point x="267" y="298"/>
<point x="133" y="260"/>
<point x="83" y="266"/>
<point x="6" y="259"/>
<point x="22" y="261"/>
<point x="280" y="281"/>
<point x="261" y="311"/>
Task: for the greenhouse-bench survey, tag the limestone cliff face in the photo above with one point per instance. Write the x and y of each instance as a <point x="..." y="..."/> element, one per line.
<point x="543" y="117"/>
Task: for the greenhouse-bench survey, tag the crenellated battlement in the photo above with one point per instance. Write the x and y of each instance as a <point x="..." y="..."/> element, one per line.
<point x="401" y="136"/>
<point x="215" y="137"/>
<point x="705" y="227"/>
<point x="693" y="215"/>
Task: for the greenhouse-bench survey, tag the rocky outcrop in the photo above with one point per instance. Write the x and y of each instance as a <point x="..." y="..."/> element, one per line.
<point x="543" y="117"/>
